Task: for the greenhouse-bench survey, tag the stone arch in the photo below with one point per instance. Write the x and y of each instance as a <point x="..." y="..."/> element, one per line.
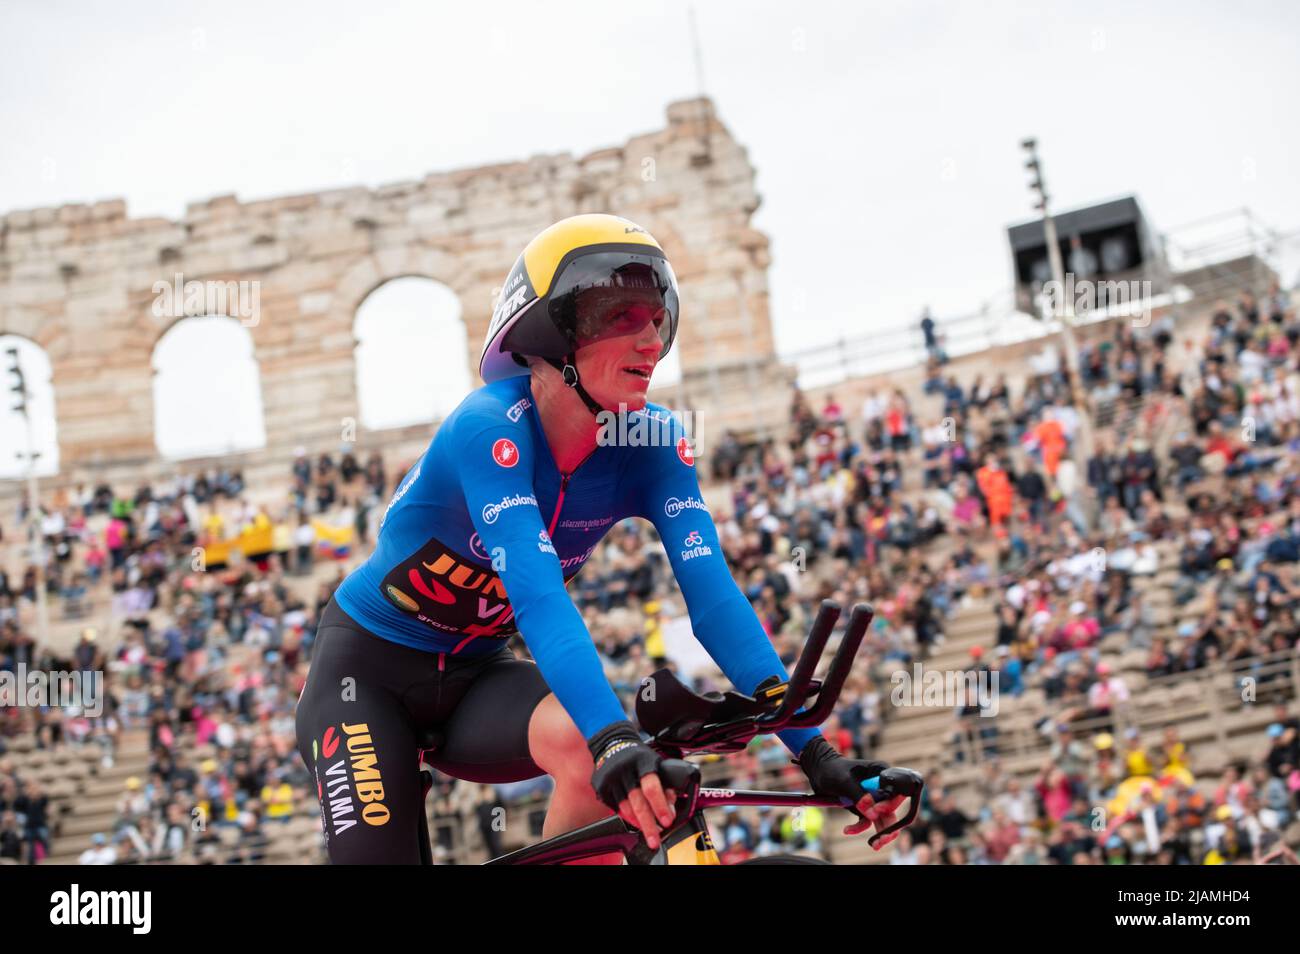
<point x="410" y="261"/>
<point x="367" y="274"/>
<point x="207" y="400"/>
<point x="39" y="327"/>
<point x="410" y="335"/>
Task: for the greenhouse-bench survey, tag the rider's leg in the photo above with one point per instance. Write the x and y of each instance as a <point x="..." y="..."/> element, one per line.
<point x="508" y="726"/>
<point x="362" y="752"/>
<point x="559" y="748"/>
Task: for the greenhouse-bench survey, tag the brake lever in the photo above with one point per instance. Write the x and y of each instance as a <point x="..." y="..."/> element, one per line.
<point x="684" y="778"/>
<point x="891" y="783"/>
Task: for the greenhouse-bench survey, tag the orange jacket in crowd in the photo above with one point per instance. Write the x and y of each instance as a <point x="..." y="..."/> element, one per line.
<point x="1051" y="438"/>
<point x="995" y="485"/>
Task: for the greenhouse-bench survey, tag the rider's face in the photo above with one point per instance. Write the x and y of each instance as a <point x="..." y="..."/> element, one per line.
<point x="616" y="360"/>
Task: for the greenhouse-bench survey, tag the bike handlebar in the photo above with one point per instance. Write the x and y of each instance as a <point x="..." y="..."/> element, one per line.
<point x="734" y="733"/>
<point x="829" y="691"/>
<point x="796" y="690"/>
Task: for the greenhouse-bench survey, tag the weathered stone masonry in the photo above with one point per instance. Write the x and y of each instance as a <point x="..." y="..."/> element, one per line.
<point x="78" y="280"/>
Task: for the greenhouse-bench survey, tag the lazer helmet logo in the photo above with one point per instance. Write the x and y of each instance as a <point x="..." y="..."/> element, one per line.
<point x="508" y="306"/>
<point x="505" y="453"/>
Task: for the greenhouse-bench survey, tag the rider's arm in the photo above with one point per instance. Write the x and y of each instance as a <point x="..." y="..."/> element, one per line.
<point x="503" y="507"/>
<point x="721" y="617"/>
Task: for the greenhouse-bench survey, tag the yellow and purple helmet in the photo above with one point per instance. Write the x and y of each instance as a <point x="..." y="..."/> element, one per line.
<point x="537" y="312"/>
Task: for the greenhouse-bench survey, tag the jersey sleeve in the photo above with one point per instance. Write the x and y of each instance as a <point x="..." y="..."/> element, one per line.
<point x="496" y="477"/>
<point x="721" y="617"/>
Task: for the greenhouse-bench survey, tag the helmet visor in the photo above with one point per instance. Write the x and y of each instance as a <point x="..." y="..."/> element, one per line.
<point x="612" y="294"/>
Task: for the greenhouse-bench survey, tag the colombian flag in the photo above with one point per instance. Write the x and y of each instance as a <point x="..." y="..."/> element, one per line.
<point x="335" y="542"/>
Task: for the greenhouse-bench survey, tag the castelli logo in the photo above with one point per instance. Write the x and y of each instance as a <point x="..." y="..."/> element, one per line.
<point x="517" y="409"/>
<point x="506" y="454"/>
<point x="684" y="452"/>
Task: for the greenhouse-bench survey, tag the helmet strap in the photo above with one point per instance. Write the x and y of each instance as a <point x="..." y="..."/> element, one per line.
<point x="568" y="369"/>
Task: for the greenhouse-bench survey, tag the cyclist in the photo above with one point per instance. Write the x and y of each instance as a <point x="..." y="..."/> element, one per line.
<point x="479" y="541"/>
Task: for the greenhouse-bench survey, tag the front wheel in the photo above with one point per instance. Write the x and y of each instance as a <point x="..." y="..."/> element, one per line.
<point x="783" y="860"/>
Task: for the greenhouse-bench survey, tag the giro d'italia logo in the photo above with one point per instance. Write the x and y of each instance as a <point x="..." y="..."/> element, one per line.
<point x="505" y="453"/>
<point x="684" y="452"/>
<point x="695" y="546"/>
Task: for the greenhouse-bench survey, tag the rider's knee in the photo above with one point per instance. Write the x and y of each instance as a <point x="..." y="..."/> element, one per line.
<point x="561" y="749"/>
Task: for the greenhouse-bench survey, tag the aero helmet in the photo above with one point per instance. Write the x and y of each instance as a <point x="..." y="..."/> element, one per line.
<point x="537" y="311"/>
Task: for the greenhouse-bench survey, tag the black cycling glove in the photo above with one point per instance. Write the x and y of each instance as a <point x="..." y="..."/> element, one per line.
<point x="622" y="759"/>
<point x="832" y="774"/>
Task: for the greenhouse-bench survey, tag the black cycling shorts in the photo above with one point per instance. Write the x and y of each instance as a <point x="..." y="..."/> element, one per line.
<point x="370" y="710"/>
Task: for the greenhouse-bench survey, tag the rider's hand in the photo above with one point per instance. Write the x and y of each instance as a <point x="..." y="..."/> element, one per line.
<point x="832" y="774"/>
<point x="627" y="780"/>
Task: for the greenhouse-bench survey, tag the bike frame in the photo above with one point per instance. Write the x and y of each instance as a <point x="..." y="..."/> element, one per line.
<point x="688" y="843"/>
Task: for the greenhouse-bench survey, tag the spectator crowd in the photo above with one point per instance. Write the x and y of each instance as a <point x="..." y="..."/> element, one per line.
<point x="954" y="495"/>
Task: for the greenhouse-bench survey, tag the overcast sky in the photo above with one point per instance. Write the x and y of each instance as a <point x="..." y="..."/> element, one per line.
<point x="885" y="135"/>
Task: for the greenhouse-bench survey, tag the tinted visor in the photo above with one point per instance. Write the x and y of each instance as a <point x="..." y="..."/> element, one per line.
<point x="610" y="294"/>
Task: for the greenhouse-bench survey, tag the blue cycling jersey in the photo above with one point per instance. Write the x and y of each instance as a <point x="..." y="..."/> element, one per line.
<point x="484" y="532"/>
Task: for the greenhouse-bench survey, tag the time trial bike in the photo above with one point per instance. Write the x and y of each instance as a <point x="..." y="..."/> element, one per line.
<point x="682" y="722"/>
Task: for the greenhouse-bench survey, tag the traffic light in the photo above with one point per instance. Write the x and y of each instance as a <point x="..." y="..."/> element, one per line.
<point x="19" y="387"/>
